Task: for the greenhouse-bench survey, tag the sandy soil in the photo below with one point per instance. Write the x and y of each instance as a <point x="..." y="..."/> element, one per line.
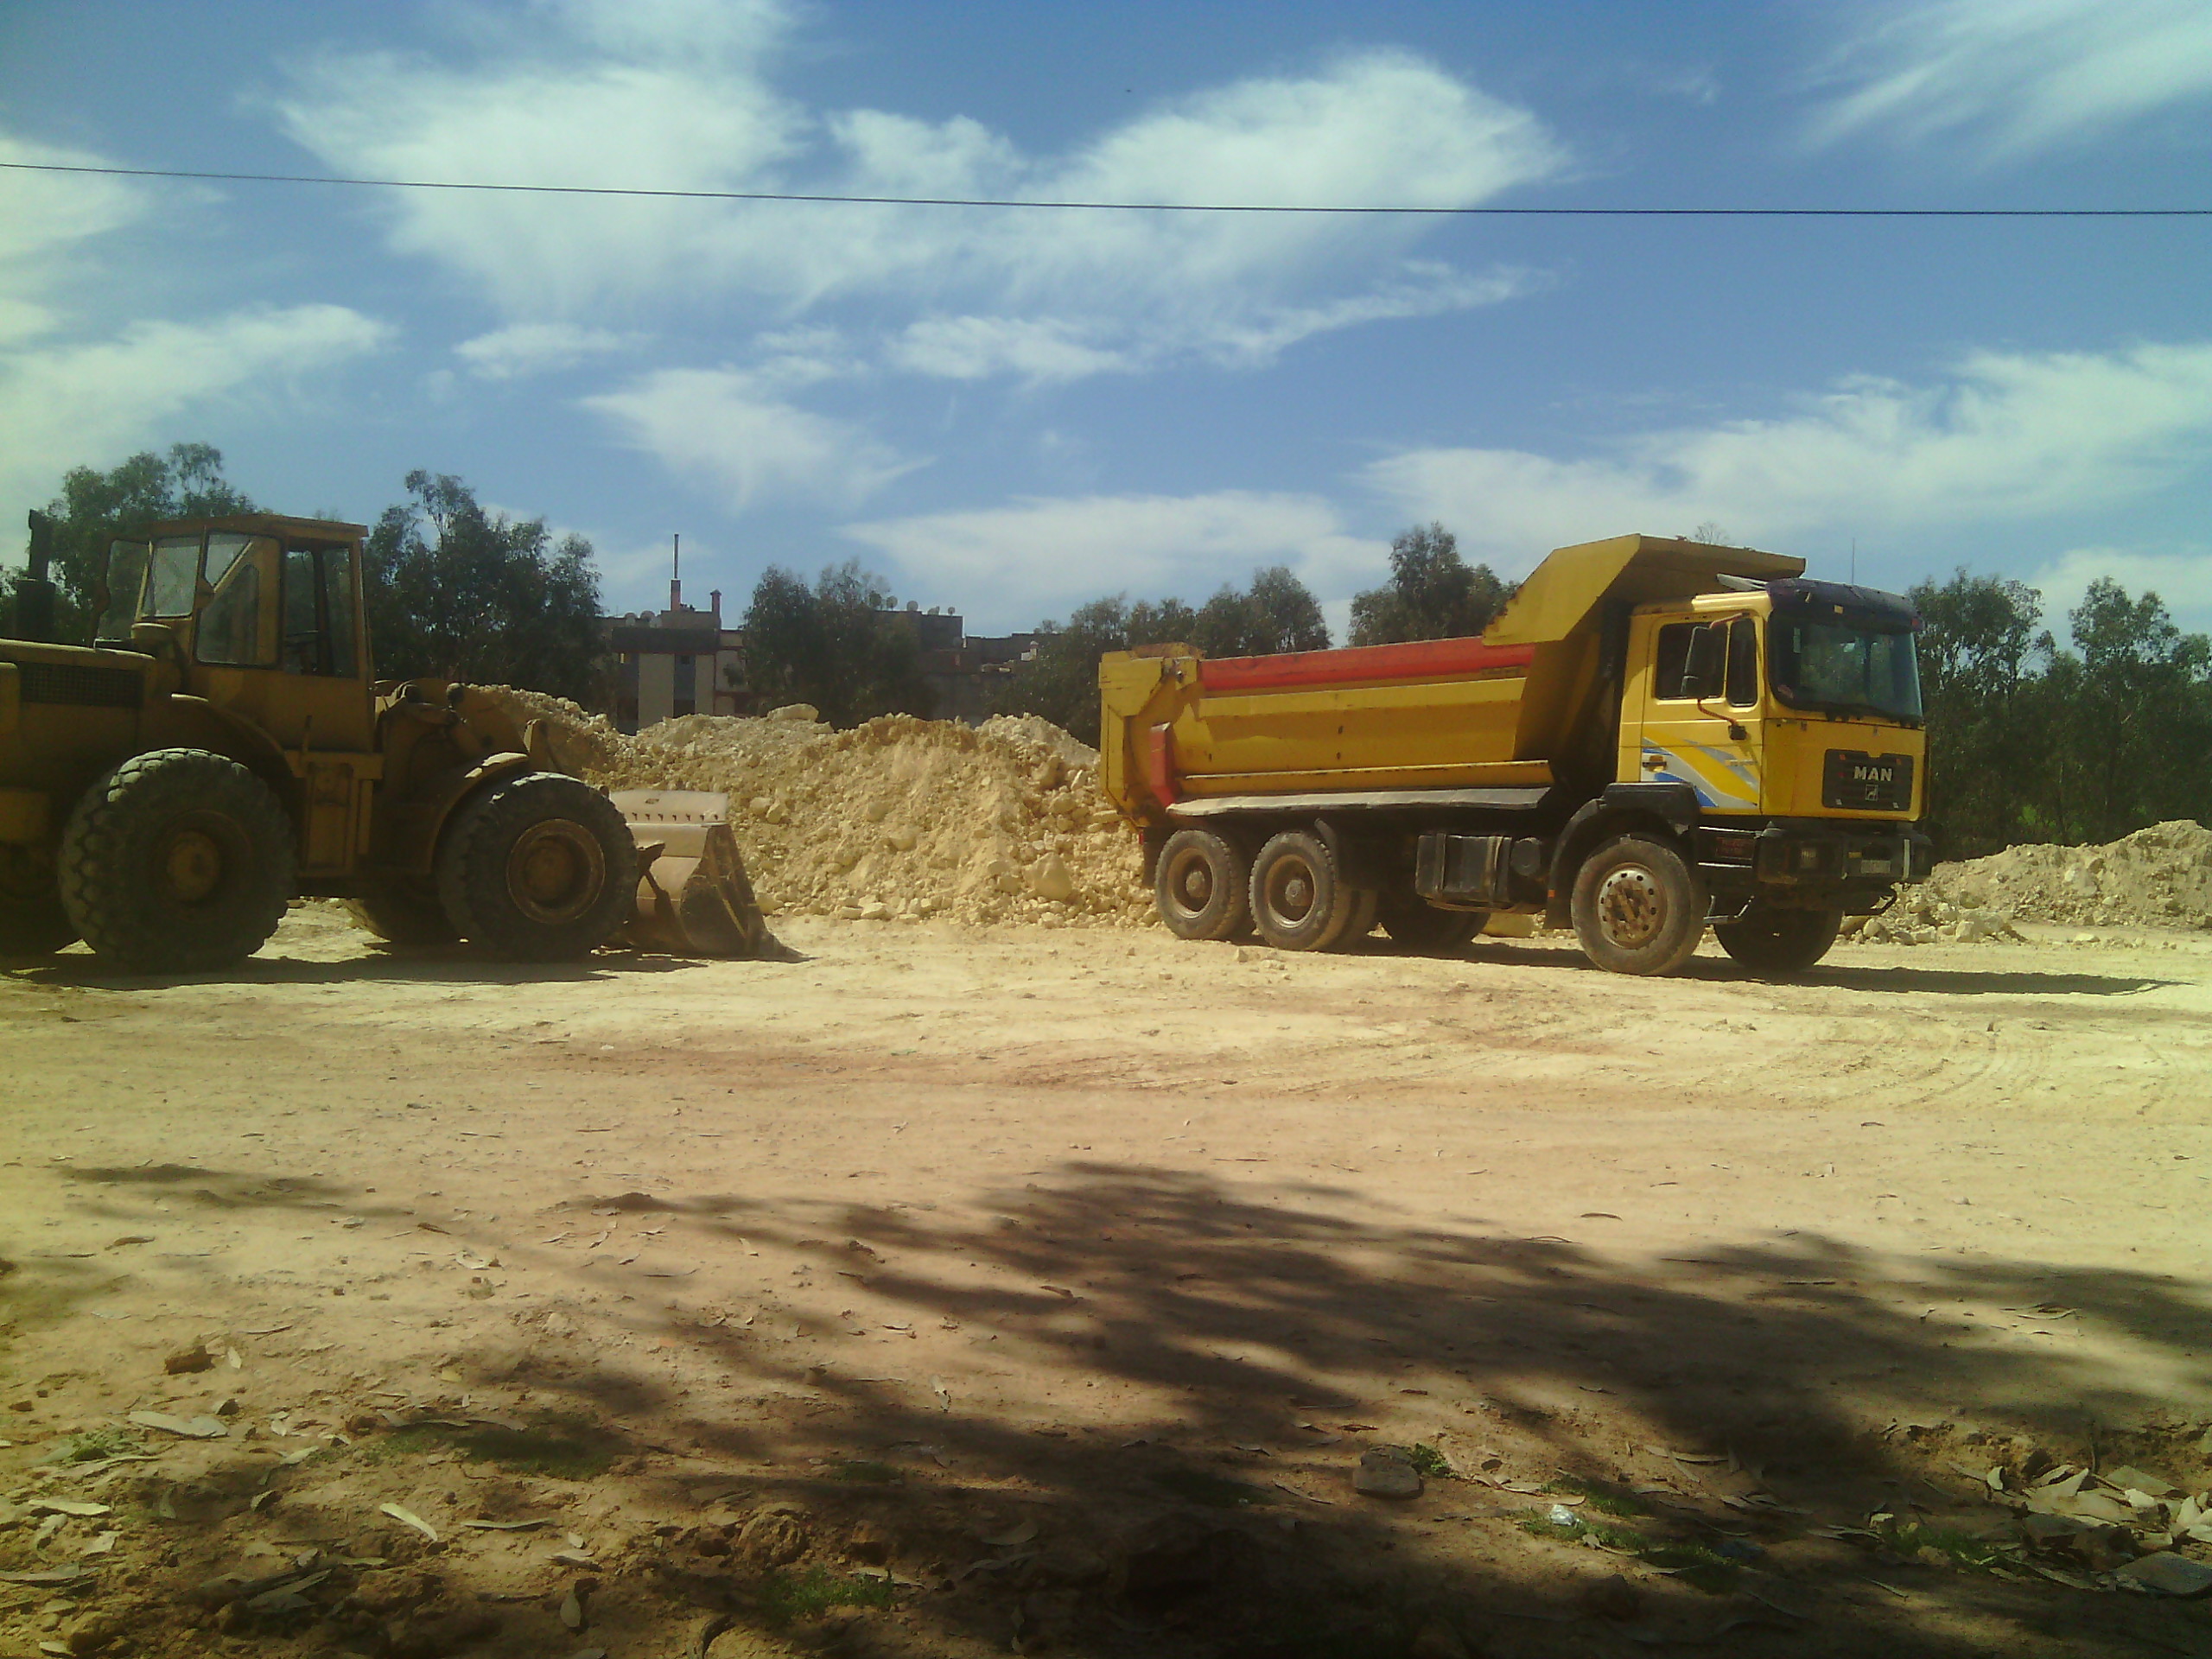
<point x="1038" y="1290"/>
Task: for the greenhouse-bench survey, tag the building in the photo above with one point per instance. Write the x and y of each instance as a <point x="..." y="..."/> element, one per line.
<point x="680" y="661"/>
<point x="964" y="673"/>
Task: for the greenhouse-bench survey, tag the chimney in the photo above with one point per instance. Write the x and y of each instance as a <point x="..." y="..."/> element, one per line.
<point x="715" y="604"/>
<point x="676" y="577"/>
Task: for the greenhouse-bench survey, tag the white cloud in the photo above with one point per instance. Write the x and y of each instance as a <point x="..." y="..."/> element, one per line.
<point x="2182" y="578"/>
<point x="43" y="218"/>
<point x="525" y="348"/>
<point x="2013" y="76"/>
<point x="1042" y="555"/>
<point x="728" y="431"/>
<point x="596" y="91"/>
<point x="66" y="405"/>
<point x="2008" y="437"/>
<point x="973" y="348"/>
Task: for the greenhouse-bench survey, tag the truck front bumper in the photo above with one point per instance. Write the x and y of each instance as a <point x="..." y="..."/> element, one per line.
<point x="1805" y="861"/>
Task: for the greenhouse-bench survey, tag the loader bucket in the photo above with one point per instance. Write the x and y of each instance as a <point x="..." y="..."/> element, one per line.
<point x="693" y="895"/>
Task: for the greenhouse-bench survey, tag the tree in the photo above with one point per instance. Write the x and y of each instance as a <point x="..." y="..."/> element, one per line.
<point x="482" y="597"/>
<point x="1433" y="593"/>
<point x="1277" y="613"/>
<point x="94" y="507"/>
<point x="2135" y="713"/>
<point x="1979" y="649"/>
<point x="838" y="645"/>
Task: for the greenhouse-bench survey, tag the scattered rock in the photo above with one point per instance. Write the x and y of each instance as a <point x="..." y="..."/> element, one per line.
<point x="868" y="1542"/>
<point x="2168" y="1574"/>
<point x="1385" y="1471"/>
<point x="774" y="1537"/>
<point x="187" y="1360"/>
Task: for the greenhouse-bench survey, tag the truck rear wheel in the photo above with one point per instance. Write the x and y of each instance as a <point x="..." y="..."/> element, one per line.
<point x="1779" y="941"/>
<point x="1201" y="886"/>
<point x="539" y="868"/>
<point x="402" y="910"/>
<point x="177" y="862"/>
<point x="32" y="920"/>
<point x="1298" y="902"/>
<point x="1419" y="925"/>
<point x="1638" y="908"/>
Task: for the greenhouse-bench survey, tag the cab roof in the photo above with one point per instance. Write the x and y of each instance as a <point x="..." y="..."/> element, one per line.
<point x="260" y="524"/>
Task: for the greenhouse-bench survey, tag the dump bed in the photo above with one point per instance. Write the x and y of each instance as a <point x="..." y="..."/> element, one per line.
<point x="1503" y="715"/>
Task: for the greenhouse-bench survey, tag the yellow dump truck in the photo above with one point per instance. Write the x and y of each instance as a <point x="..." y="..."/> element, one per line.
<point x="1655" y="734"/>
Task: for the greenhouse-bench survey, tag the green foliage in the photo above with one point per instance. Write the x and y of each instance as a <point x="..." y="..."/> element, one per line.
<point x="2030" y="742"/>
<point x="1605" y="1500"/>
<point x="1693" y="1563"/>
<point x="93" y="1445"/>
<point x="1963" y="1550"/>
<point x="864" y="1472"/>
<point x="1277" y="613"/>
<point x="1428" y="1462"/>
<point x="1433" y="593"/>
<point x="94" y="507"/>
<point x="838" y="645"/>
<point x="481" y="597"/>
<point x="792" y="1598"/>
<point x="560" y="1447"/>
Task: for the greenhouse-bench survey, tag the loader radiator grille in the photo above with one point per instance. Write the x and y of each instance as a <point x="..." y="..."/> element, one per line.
<point x="79" y="685"/>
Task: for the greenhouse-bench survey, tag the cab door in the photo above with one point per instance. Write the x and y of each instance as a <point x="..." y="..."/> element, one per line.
<point x="278" y="643"/>
<point x="1703" y="731"/>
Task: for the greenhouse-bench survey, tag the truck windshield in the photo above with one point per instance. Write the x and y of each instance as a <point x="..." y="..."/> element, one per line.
<point x="1844" y="667"/>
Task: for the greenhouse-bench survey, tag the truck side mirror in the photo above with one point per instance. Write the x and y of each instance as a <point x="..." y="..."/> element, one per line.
<point x="1702" y="664"/>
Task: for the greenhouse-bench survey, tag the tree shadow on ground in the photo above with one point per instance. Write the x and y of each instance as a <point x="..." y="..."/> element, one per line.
<point x="1249" y="1349"/>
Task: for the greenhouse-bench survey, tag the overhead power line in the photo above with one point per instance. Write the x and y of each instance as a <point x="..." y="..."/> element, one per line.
<point x="1127" y="207"/>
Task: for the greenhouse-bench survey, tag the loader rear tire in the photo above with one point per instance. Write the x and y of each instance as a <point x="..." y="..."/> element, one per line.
<point x="32" y="920"/>
<point x="539" y="867"/>
<point x="1420" y="925"/>
<point x="1780" y="941"/>
<point x="403" y="910"/>
<point x="1298" y="902"/>
<point x="177" y="862"/>
<point x="1200" y="885"/>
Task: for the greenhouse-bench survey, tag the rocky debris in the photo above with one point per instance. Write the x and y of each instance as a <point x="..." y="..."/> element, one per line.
<point x="897" y="820"/>
<point x="2157" y="877"/>
<point x="1921" y="916"/>
<point x="775" y="1536"/>
<point x="1385" y="1471"/>
<point x="2168" y="1574"/>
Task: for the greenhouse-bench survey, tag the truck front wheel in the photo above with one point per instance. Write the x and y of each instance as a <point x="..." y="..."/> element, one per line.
<point x="1638" y="908"/>
<point x="539" y="868"/>
<point x="1298" y="902"/>
<point x="1200" y="885"/>
<point x="1779" y="941"/>
<point x="177" y="862"/>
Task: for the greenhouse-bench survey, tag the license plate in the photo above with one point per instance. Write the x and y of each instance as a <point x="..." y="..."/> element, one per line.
<point x="1875" y="866"/>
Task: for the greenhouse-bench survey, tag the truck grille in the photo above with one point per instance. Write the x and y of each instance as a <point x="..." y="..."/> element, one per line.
<point x="81" y="685"/>
<point x="1853" y="780"/>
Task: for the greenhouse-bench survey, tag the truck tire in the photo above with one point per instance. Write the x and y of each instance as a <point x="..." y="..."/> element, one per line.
<point x="1419" y="925"/>
<point x="1638" y="908"/>
<point x="402" y="910"/>
<point x="1202" y="885"/>
<point x="1779" y="941"/>
<point x="539" y="867"/>
<point x="177" y="862"/>
<point x="1298" y="903"/>
<point x="1367" y="905"/>
<point x="32" y="921"/>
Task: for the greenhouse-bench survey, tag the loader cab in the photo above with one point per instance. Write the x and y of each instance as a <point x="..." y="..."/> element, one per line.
<point x="260" y="615"/>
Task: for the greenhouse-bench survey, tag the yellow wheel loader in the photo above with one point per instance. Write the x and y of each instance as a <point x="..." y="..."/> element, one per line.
<point x="221" y="748"/>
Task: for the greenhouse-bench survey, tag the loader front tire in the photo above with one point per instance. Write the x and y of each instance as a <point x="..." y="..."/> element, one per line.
<point x="177" y="862"/>
<point x="402" y="910"/>
<point x="1200" y="886"/>
<point x="539" y="867"/>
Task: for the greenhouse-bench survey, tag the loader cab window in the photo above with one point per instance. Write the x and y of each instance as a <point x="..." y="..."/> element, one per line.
<point x="233" y="629"/>
<point x="319" y="611"/>
<point x="174" y="578"/>
<point x="126" y="581"/>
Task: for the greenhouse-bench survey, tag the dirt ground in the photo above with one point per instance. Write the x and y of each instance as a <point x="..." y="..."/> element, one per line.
<point x="1036" y="1290"/>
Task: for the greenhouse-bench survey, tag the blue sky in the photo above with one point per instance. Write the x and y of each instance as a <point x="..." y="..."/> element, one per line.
<point x="1012" y="411"/>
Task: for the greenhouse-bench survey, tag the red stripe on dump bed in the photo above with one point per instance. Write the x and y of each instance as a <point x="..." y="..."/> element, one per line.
<point x="1419" y="659"/>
